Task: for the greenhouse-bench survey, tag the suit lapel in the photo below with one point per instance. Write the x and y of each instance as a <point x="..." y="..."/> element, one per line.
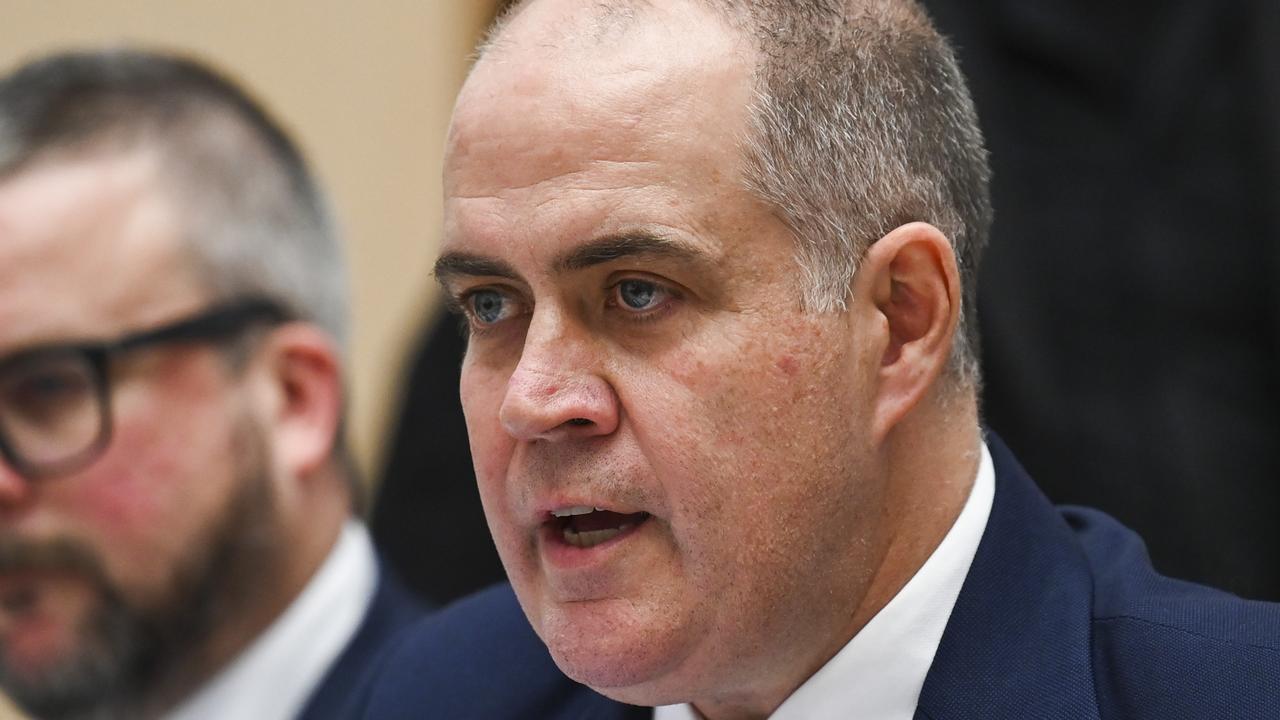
<point x="1017" y="644"/>
<point x="391" y="609"/>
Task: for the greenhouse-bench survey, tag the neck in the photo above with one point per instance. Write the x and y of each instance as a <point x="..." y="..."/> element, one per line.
<point x="933" y="459"/>
<point x="929" y="463"/>
<point x="291" y="553"/>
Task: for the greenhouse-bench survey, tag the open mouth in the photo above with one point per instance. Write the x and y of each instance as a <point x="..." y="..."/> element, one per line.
<point x="585" y="527"/>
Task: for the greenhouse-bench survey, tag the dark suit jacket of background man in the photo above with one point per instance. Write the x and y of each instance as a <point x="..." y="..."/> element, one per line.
<point x="1060" y="617"/>
<point x="393" y="609"/>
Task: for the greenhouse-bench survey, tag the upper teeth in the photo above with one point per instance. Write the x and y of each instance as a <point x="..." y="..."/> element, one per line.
<point x="576" y="510"/>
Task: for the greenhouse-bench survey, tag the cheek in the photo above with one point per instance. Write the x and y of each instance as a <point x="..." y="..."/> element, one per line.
<point x="749" y="432"/>
<point x="157" y="485"/>
<point x="752" y="395"/>
<point x="481" y="394"/>
<point x="492" y="450"/>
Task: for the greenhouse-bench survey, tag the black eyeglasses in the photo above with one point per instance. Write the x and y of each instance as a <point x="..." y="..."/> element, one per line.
<point x="55" y="400"/>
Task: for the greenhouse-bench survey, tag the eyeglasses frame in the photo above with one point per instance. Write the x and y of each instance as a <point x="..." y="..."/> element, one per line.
<point x="221" y="322"/>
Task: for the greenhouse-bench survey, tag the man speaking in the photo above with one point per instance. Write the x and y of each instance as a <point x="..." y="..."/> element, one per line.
<point x="718" y="260"/>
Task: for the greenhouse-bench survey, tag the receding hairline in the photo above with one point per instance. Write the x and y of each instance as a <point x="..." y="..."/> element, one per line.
<point x="903" y="15"/>
<point x="600" y="16"/>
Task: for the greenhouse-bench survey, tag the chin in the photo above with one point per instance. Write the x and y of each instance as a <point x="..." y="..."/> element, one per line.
<point x="611" y="647"/>
<point x="45" y="632"/>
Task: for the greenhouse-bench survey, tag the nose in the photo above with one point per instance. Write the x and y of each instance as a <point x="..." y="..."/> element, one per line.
<point x="556" y="391"/>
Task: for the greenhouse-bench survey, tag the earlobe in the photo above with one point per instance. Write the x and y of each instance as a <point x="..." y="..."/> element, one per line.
<point x="916" y="289"/>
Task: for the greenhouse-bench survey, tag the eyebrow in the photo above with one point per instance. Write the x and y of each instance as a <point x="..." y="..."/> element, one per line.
<point x="640" y="243"/>
<point x="630" y="244"/>
<point x="457" y="264"/>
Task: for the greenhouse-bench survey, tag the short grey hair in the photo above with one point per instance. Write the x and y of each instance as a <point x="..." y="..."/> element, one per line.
<point x="254" y="222"/>
<point x="862" y="123"/>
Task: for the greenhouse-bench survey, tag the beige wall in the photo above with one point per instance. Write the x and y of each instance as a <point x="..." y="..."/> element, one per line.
<point x="366" y="88"/>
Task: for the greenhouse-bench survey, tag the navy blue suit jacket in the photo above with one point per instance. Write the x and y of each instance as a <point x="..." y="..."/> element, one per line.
<point x="392" y="610"/>
<point x="1061" y="617"/>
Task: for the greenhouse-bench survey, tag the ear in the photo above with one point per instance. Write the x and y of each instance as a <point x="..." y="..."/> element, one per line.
<point x="302" y="384"/>
<point x="912" y="280"/>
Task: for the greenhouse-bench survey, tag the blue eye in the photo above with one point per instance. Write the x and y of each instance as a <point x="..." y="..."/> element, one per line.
<point x="639" y="294"/>
<point x="488" y="306"/>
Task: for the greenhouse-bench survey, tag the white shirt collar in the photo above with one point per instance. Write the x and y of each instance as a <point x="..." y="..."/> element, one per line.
<point x="878" y="675"/>
<point x="275" y="675"/>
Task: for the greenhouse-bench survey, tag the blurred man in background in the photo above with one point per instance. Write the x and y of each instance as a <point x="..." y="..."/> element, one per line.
<point x="176" y="500"/>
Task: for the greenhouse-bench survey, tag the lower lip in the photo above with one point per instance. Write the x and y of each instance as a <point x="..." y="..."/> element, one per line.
<point x="562" y="555"/>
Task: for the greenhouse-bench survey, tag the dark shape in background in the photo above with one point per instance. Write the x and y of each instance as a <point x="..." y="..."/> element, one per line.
<point x="1130" y="298"/>
<point x="427" y="520"/>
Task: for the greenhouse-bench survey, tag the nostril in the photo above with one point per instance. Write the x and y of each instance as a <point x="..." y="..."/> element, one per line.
<point x="584" y="405"/>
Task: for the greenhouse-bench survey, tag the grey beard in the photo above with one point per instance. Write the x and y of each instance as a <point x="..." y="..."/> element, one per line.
<point x="94" y="682"/>
<point x="132" y="661"/>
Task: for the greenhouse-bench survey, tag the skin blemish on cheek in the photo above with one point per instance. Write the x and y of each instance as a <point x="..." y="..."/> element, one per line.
<point x="788" y="365"/>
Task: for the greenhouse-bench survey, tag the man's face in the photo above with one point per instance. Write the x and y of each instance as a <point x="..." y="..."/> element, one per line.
<point x="638" y="345"/>
<point x="102" y="568"/>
